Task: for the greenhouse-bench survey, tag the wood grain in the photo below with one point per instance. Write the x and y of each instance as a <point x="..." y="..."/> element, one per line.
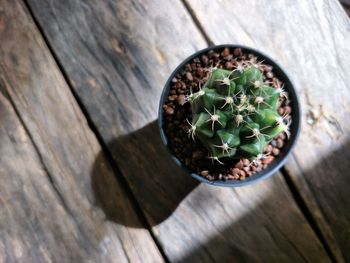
<point x="27" y="230"/>
<point x="49" y="209"/>
<point x="119" y="85"/>
<point x="311" y="40"/>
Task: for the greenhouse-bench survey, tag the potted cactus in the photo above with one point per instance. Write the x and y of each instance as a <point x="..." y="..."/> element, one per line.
<point x="229" y="115"/>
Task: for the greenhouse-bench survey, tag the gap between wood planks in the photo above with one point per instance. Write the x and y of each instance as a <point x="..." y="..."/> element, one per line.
<point x="299" y="200"/>
<point x="121" y="180"/>
<point x="306" y="212"/>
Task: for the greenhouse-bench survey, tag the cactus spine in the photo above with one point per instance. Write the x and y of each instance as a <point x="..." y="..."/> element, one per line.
<point x="234" y="115"/>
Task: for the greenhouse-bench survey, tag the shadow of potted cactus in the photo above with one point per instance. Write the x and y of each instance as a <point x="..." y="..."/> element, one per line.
<point x="229" y="115"/>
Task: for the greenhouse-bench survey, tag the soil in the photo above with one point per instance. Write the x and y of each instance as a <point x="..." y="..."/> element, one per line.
<point x="177" y="112"/>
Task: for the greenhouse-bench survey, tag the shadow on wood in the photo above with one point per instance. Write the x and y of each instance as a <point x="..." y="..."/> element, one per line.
<point x="157" y="182"/>
<point x="274" y="230"/>
<point x="258" y="236"/>
<point x="328" y="196"/>
<point x="240" y="239"/>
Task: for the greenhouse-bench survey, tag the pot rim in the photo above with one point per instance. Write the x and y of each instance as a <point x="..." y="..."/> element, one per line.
<point x="286" y="150"/>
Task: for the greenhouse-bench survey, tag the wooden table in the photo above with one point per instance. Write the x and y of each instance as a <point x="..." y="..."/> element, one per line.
<point x="84" y="175"/>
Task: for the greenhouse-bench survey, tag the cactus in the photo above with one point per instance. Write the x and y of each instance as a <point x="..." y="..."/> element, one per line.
<point x="234" y="115"/>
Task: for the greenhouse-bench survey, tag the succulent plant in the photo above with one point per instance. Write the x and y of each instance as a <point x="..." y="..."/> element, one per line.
<point x="234" y="115"/>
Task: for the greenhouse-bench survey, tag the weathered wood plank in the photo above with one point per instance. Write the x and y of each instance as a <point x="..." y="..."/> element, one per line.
<point x="28" y="232"/>
<point x="203" y="223"/>
<point x="48" y="197"/>
<point x="117" y="56"/>
<point x="311" y="39"/>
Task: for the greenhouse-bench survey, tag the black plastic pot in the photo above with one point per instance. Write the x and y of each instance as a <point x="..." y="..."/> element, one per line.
<point x="294" y="129"/>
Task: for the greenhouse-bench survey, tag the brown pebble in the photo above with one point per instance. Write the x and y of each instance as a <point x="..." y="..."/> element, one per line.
<point x="280" y="143"/>
<point x="183" y="86"/>
<point x="228" y="57"/>
<point x="189" y="76"/>
<point x="230" y="177"/>
<point x="239" y="165"/>
<point x="249" y="173"/>
<point x="282" y="136"/>
<point x="172" y="97"/>
<point x="193" y="66"/>
<point x="235" y="171"/>
<point x="178" y="85"/>
<point x="229" y="65"/>
<point x="169" y="111"/>
<point x="216" y="55"/>
<point x="174" y="80"/>
<point x="205" y="173"/>
<point x="211" y="53"/>
<point x="269" y="75"/>
<point x="267" y="160"/>
<point x="280" y="111"/>
<point x="268" y="68"/>
<point x="246" y="162"/>
<point x="242" y="173"/>
<point x="247" y="168"/>
<point x="242" y="178"/>
<point x="200" y="72"/>
<point x="268" y="148"/>
<point x="237" y="52"/>
<point x="181" y="99"/>
<point x="275" y="151"/>
<point x="204" y="59"/>
<point x="257" y="163"/>
<point x="225" y="52"/>
<point x="173" y="92"/>
<point x="287" y="110"/>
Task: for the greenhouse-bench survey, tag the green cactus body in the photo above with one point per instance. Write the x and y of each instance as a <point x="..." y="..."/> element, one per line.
<point x="235" y="114"/>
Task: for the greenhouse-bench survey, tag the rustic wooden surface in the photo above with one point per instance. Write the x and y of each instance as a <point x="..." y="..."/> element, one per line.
<point x="116" y="56"/>
<point x="48" y="208"/>
<point x="311" y="39"/>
